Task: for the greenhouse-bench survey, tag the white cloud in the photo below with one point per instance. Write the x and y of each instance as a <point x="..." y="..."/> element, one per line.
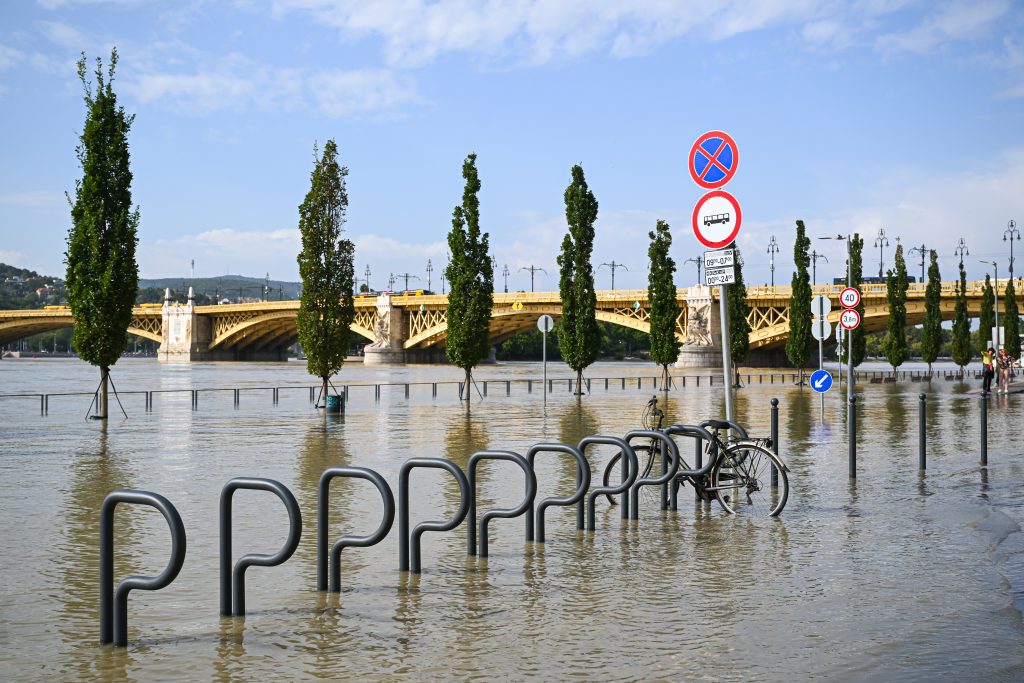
<point x="221" y="250"/>
<point x="951" y="21"/>
<point x="9" y="57"/>
<point x="35" y="199"/>
<point x="64" y="35"/>
<point x="344" y="93"/>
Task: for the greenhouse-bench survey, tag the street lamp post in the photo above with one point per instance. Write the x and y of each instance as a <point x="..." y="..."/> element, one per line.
<point x="880" y="242"/>
<point x="366" y="278"/>
<point x="700" y="262"/>
<point x="613" y="265"/>
<point x="998" y="337"/>
<point x="773" y="249"/>
<point x="922" y="250"/>
<point x="1012" y="233"/>
<point x="814" y="266"/>
<point x="391" y="282"/>
<point x="430" y="269"/>
<point x="533" y="270"/>
<point x="961" y="250"/>
<point x="504" y="274"/>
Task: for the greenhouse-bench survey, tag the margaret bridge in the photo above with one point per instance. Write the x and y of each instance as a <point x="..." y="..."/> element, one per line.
<point x="411" y="328"/>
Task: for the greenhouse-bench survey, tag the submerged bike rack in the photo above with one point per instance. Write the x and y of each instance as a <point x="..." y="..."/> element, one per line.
<point x="232" y="581"/>
<point x="409" y="544"/>
<point x="668" y="471"/>
<point x="630" y="470"/>
<point x="114" y="603"/>
<point x="322" y="509"/>
<point x="497" y="513"/>
<point x="582" y="484"/>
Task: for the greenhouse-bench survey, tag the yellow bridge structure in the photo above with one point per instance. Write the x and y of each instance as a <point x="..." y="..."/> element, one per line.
<point x="410" y="328"/>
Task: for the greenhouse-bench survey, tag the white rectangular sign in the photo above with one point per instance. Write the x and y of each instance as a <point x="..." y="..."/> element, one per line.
<point x="719" y="276"/>
<point x="719" y="259"/>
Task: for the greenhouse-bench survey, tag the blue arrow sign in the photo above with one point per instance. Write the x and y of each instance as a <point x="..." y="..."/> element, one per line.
<point x="821" y="381"/>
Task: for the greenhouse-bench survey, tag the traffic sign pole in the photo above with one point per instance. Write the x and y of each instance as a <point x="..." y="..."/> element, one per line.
<point x="723" y="307"/>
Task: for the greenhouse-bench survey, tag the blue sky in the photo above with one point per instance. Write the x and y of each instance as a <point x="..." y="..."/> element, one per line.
<point x="849" y="115"/>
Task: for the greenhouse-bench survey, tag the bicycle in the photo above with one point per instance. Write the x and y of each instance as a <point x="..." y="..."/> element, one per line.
<point x="738" y="474"/>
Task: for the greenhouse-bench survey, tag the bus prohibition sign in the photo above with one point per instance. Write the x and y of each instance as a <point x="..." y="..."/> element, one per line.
<point x="716" y="219"/>
<point x="850" y="319"/>
<point x="849" y="297"/>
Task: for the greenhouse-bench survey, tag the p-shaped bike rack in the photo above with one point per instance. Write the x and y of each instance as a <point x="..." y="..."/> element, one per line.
<point x="497" y="513"/>
<point x="114" y="603"/>
<point x="630" y="470"/>
<point x="409" y="544"/>
<point x="582" y="484"/>
<point x="232" y="581"/>
<point x="323" y="506"/>
<point x="668" y="471"/>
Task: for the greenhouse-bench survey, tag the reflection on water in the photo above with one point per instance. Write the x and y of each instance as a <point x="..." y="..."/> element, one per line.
<point x="831" y="590"/>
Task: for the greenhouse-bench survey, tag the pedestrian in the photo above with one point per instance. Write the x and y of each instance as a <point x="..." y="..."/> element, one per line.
<point x="987" y="369"/>
<point x="1005" y="361"/>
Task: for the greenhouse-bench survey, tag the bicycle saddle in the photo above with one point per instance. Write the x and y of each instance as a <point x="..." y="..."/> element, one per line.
<point x="716" y="424"/>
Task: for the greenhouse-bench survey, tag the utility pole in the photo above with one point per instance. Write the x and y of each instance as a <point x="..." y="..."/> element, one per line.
<point x="1011" y="231"/>
<point x="814" y="267"/>
<point x="880" y="242"/>
<point x="613" y="265"/>
<point x="407" y="277"/>
<point x="366" y="278"/>
<point x="773" y="249"/>
<point x="504" y="274"/>
<point x="961" y="250"/>
<point x="700" y="262"/>
<point x="430" y="269"/>
<point x="391" y="282"/>
<point x="923" y="251"/>
<point x="533" y="270"/>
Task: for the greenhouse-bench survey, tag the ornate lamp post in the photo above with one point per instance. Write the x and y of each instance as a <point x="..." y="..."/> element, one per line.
<point x="700" y="262"/>
<point x="880" y="242"/>
<point x="961" y="250"/>
<point x="773" y="249"/>
<point x="922" y="251"/>
<point x="430" y="269"/>
<point x="613" y="265"/>
<point x="1011" y="233"/>
<point x="504" y="274"/>
<point x="533" y="270"/>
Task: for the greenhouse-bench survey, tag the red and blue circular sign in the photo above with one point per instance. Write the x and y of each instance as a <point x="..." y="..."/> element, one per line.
<point x="713" y="159"/>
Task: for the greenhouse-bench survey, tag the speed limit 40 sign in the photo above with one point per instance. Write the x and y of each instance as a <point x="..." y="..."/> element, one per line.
<point x="849" y="297"/>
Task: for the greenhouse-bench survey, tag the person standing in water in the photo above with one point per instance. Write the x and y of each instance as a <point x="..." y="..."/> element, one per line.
<point x="1004" y="361"/>
<point x="987" y="369"/>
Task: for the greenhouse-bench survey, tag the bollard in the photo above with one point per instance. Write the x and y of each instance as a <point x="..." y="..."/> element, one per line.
<point x="312" y="391"/>
<point x="376" y="392"/>
<point x="508" y="388"/>
<point x="852" y="428"/>
<point x="775" y="440"/>
<point x="433" y="389"/>
<point x="551" y="385"/>
<point x="529" y="386"/>
<point x="407" y="389"/>
<point x="236" y="396"/>
<point x="606" y="384"/>
<point x="984" y="428"/>
<point x="485" y="387"/>
<point x="639" y="381"/>
<point x="921" y="456"/>
<point x="623" y="383"/>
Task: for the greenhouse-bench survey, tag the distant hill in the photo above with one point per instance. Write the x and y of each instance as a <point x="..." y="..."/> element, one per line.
<point x="224" y="286"/>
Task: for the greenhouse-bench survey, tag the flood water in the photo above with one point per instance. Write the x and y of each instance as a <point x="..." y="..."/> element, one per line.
<point x="898" y="577"/>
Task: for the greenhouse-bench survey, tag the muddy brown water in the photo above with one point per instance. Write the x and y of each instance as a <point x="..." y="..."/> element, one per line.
<point x="895" y="577"/>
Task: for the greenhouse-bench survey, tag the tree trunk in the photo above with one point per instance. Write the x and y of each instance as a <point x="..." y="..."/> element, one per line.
<point x="323" y="391"/>
<point x="464" y="394"/>
<point x="101" y="406"/>
<point x="579" y="382"/>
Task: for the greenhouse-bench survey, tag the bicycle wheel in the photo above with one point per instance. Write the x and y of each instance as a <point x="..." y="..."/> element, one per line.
<point x="741" y="480"/>
<point x="612" y="476"/>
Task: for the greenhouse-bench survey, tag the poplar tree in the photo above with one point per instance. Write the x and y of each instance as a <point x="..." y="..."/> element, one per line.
<point x="961" y="324"/>
<point x="986" y="318"/>
<point x="472" y="281"/>
<point x="1011" y="326"/>
<point x="326" y="265"/>
<point x="739" y="326"/>
<point x="798" y="345"/>
<point x="661" y="293"/>
<point x="579" y="337"/>
<point x="102" y="275"/>
<point x="931" y="336"/>
<point x="855" y="279"/>
<point x="896" y="295"/>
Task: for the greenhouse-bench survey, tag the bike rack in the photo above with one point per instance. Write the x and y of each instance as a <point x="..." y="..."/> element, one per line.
<point x="630" y="470"/>
<point x="497" y="513"/>
<point x="322" y="508"/>
<point x="582" y="484"/>
<point x="114" y="603"/>
<point x="409" y="544"/>
<point x="232" y="581"/>
<point x="668" y="471"/>
<point x="700" y="434"/>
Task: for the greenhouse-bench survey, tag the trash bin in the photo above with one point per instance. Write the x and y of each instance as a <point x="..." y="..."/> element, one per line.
<point x="335" y="403"/>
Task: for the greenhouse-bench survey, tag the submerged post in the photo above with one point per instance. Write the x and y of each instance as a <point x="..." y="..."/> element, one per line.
<point x="775" y="439"/>
<point x="984" y="428"/>
<point x="921" y="455"/>
<point x="851" y="417"/>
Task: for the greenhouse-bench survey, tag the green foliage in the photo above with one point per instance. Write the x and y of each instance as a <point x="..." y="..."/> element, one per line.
<point x="855" y="279"/>
<point x="931" y="341"/>
<point x="896" y="294"/>
<point x="102" y="275"/>
<point x="326" y="266"/>
<point x="471" y="279"/>
<point x="987" y="319"/>
<point x="580" y="337"/>
<point x="1011" y="322"/>
<point x="661" y="292"/>
<point x="739" y="326"/>
<point x="798" y="345"/>
<point x="961" y="342"/>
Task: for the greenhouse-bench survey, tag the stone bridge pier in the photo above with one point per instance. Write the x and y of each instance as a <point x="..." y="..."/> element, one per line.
<point x="187" y="337"/>
<point x="389" y="335"/>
